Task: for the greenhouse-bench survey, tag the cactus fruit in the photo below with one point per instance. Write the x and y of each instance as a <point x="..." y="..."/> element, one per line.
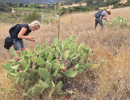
<point x="73" y="67"/>
<point x="65" y="61"/>
<point x="34" y="63"/>
<point x="59" y="59"/>
<point x="17" y="70"/>
<point x="93" y="51"/>
<point x="67" y="97"/>
<point x="20" y="65"/>
<point x="37" y="55"/>
<point x="17" y="59"/>
<point x="65" y="69"/>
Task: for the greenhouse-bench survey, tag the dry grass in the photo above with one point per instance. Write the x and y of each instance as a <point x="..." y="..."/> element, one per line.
<point x="107" y="82"/>
<point x="74" y="5"/>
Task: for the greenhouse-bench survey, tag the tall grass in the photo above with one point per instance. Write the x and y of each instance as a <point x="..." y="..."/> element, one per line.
<point x="106" y="82"/>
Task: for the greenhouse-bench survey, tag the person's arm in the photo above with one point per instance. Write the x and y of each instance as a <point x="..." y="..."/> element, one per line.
<point x="106" y="18"/>
<point x="33" y="40"/>
<point x="21" y="34"/>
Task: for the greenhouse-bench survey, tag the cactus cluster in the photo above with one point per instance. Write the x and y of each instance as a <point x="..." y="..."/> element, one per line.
<point x="36" y="70"/>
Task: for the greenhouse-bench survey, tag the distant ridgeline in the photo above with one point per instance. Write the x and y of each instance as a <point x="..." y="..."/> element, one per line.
<point x="100" y="3"/>
<point x="30" y="1"/>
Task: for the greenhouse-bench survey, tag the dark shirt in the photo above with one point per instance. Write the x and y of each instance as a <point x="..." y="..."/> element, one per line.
<point x="14" y="34"/>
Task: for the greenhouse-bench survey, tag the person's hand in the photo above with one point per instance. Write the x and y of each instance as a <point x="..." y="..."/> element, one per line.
<point x="31" y="37"/>
<point x="33" y="40"/>
<point x="110" y="23"/>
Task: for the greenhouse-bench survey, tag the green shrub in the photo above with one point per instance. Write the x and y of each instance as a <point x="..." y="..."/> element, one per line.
<point x="33" y="16"/>
<point x="118" y="22"/>
<point x="38" y="72"/>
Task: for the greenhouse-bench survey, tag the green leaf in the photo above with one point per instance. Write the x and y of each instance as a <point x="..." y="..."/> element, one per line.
<point x="54" y="61"/>
<point x="56" y="40"/>
<point x="57" y="67"/>
<point x="70" y="73"/>
<point x="66" y="54"/>
<point x="38" y="47"/>
<point x="23" y="63"/>
<point x="49" y="58"/>
<point x="38" y="60"/>
<point x="14" y="67"/>
<point x="56" y="54"/>
<point x="3" y="89"/>
<point x="37" y="90"/>
<point x="26" y="57"/>
<point x="64" y="93"/>
<point x="13" y="52"/>
<point x="30" y="92"/>
<point x="58" y="50"/>
<point x="52" y="85"/>
<point x="86" y="51"/>
<point x="80" y="71"/>
<point x="73" y="38"/>
<point x="22" y="74"/>
<point x="33" y="75"/>
<point x="59" y="86"/>
<point x="44" y="73"/>
<point x="71" y="46"/>
<point x="46" y="43"/>
<point x="7" y="66"/>
<point x="47" y="80"/>
<point x="45" y="85"/>
<point x="49" y="67"/>
<point x="42" y="53"/>
<point x="28" y="52"/>
<point x="11" y="74"/>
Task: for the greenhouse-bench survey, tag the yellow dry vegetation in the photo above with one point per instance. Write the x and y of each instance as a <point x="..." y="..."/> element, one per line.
<point x="74" y="5"/>
<point x="105" y="82"/>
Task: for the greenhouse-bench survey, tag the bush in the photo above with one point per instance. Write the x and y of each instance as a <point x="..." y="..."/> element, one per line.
<point x="33" y="16"/>
<point x="4" y="7"/>
<point x="75" y="9"/>
<point x="40" y="71"/>
<point x="118" y="22"/>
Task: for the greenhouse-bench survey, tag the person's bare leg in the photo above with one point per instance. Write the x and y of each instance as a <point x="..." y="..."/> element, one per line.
<point x="17" y="52"/>
<point x="23" y="49"/>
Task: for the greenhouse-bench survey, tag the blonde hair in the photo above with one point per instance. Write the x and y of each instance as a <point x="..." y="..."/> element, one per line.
<point x="34" y="23"/>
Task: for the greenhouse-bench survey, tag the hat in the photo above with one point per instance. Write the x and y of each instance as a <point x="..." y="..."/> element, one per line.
<point x="109" y="11"/>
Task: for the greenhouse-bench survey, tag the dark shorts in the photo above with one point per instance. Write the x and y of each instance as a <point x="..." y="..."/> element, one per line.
<point x="18" y="44"/>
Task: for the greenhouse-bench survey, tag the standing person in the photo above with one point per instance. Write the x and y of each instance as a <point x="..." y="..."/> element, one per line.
<point x="21" y="31"/>
<point x="104" y="15"/>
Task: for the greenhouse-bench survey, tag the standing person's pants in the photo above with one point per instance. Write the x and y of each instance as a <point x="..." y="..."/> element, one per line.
<point x="98" y="20"/>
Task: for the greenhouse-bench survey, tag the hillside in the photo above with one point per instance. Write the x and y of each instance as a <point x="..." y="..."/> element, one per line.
<point x="30" y="1"/>
<point x="91" y="2"/>
<point x="105" y="82"/>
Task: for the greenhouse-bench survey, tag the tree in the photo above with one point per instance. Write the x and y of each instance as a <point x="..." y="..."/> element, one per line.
<point x="25" y="5"/>
<point x="4" y="7"/>
<point x="33" y="16"/>
<point x="32" y="5"/>
<point x="21" y="5"/>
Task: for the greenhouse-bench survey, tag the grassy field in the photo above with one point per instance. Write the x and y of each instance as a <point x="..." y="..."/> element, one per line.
<point x="107" y="82"/>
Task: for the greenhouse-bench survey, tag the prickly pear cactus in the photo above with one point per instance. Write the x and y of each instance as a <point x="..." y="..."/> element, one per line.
<point x="36" y="70"/>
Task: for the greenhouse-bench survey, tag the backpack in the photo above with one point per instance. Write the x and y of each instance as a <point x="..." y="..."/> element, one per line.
<point x="98" y="14"/>
<point x="12" y="29"/>
<point x="8" y="40"/>
<point x="8" y="43"/>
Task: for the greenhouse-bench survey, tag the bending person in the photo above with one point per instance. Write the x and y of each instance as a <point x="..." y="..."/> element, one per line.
<point x="104" y="15"/>
<point x="21" y="31"/>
